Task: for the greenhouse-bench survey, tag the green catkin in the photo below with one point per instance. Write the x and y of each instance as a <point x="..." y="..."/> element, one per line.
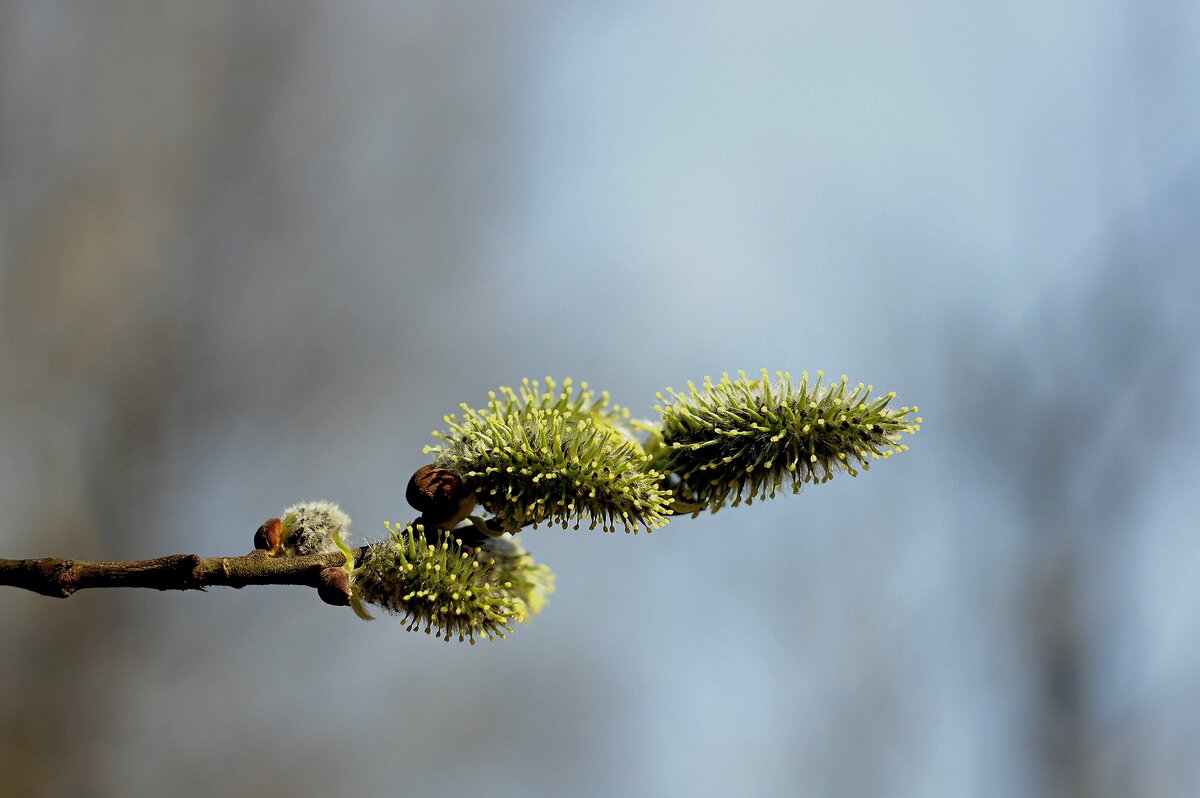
<point x="749" y="438"/>
<point x="550" y="455"/>
<point x="438" y="585"/>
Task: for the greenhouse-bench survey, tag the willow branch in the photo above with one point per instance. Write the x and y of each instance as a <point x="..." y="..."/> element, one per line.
<point x="60" y="577"/>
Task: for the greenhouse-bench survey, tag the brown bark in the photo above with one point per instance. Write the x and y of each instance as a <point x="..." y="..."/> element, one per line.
<point x="60" y="577"/>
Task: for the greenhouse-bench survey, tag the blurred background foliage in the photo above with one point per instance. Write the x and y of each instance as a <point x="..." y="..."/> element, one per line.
<point x="250" y="254"/>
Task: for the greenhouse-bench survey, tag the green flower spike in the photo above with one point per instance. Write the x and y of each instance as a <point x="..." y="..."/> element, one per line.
<point x="553" y="456"/>
<point x="448" y="589"/>
<point x="747" y="438"/>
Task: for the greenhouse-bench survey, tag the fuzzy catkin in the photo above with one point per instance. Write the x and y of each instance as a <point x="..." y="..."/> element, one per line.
<point x="745" y="438"/>
<point x="554" y="456"/>
<point x="454" y="591"/>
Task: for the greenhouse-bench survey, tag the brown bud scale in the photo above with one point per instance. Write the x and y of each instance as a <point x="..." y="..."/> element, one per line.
<point x="269" y="535"/>
<point x="437" y="493"/>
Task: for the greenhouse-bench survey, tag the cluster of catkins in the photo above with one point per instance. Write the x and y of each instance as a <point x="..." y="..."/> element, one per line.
<point x="547" y="453"/>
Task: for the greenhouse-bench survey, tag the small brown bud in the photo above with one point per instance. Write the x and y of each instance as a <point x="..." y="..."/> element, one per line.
<point x="334" y="587"/>
<point x="269" y="535"/>
<point x="439" y="495"/>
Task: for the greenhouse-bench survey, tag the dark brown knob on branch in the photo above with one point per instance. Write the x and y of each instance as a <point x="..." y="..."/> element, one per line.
<point x="440" y="496"/>
<point x="334" y="587"/>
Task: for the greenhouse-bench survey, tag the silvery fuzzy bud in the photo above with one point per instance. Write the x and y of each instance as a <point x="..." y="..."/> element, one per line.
<point x="314" y="528"/>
